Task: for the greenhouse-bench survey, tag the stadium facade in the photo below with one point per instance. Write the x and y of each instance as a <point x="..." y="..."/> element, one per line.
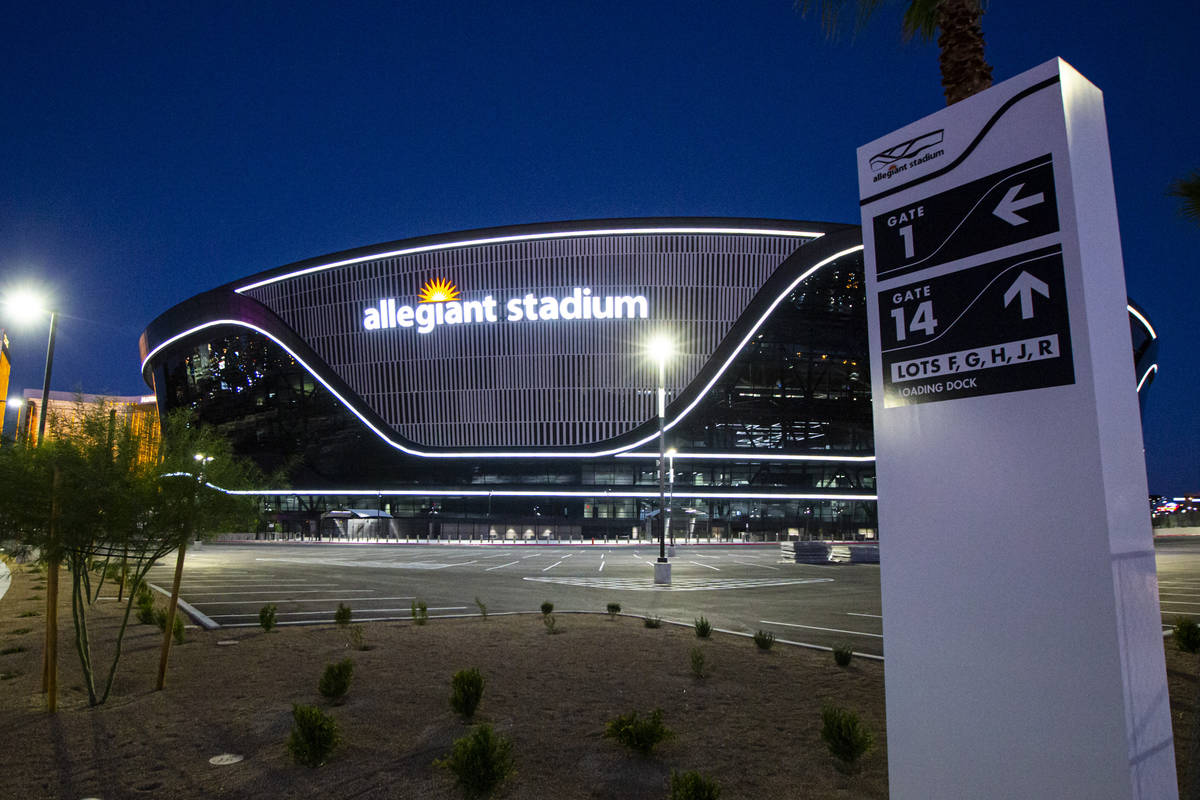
<point x="495" y="384"/>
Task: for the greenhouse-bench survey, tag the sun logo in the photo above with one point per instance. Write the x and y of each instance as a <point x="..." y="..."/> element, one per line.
<point x="437" y="290"/>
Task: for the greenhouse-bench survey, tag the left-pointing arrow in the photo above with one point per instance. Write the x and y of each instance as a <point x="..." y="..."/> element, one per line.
<point x="1025" y="285"/>
<point x="1009" y="205"/>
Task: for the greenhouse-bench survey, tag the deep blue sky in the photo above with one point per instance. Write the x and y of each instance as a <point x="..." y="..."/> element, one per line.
<point x="149" y="151"/>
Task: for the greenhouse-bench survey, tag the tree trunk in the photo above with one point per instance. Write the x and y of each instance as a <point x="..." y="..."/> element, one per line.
<point x="171" y="609"/>
<point x="965" y="70"/>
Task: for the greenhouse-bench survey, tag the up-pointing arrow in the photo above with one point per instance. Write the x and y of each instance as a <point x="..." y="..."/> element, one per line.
<point x="1008" y="207"/>
<point x="1025" y="285"/>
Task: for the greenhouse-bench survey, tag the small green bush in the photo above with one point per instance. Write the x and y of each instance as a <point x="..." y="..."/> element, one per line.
<point x="144" y="600"/>
<point x="8" y="651"/>
<point x="698" y="662"/>
<point x="342" y="615"/>
<point x="480" y="761"/>
<point x="482" y="608"/>
<point x="652" y="622"/>
<point x="266" y="617"/>
<point x="160" y="619"/>
<point x="847" y="737"/>
<point x="335" y="681"/>
<point x="314" y="735"/>
<point x="420" y="612"/>
<point x="613" y="609"/>
<point x="29" y="614"/>
<point x="693" y="786"/>
<point x="547" y="607"/>
<point x="640" y="734"/>
<point x="466" y="690"/>
<point x="1187" y="635"/>
<point x="19" y="631"/>
<point x="842" y="655"/>
<point x="703" y="627"/>
<point x="358" y="637"/>
<point x="764" y="639"/>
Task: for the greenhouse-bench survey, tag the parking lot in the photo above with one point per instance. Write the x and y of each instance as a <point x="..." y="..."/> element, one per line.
<point x="740" y="588"/>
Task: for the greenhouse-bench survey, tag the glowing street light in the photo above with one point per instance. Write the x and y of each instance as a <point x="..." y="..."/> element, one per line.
<point x="660" y="348"/>
<point x="27" y="306"/>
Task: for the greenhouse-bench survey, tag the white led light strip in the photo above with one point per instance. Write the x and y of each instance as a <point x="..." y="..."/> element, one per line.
<point x="653" y="494"/>
<point x="521" y="453"/>
<point x="525" y="237"/>
<point x="1153" y="369"/>
<point x="1144" y="321"/>
<point x="756" y="455"/>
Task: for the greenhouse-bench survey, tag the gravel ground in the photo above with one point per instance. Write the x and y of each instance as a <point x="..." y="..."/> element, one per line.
<point x="752" y="724"/>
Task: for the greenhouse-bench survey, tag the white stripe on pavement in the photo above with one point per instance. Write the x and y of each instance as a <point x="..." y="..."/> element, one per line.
<point x="815" y="628"/>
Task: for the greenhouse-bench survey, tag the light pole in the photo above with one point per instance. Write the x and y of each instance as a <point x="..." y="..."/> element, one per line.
<point x="671" y="493"/>
<point x="661" y="349"/>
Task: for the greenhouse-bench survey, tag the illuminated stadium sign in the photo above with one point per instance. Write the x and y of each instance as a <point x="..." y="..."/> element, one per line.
<point x="440" y="304"/>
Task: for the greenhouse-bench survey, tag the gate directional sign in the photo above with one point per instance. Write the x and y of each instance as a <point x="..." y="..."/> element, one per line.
<point x="1020" y="611"/>
<point x="977" y="331"/>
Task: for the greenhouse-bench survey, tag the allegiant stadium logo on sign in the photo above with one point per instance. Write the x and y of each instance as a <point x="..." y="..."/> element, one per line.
<point x="439" y="303"/>
<point x="904" y="156"/>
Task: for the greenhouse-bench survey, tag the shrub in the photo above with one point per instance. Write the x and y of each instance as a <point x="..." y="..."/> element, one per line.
<point x="358" y="637"/>
<point x="482" y="608"/>
<point x="640" y="734"/>
<point x="764" y="639"/>
<point x="420" y="612"/>
<point x="547" y="607"/>
<point x="144" y="599"/>
<point x="613" y="609"/>
<point x="550" y="622"/>
<point x="160" y="619"/>
<point x="703" y="628"/>
<point x="335" y="681"/>
<point x="466" y="690"/>
<point x="846" y="736"/>
<point x="266" y="616"/>
<point x="1187" y="635"/>
<point x="20" y="631"/>
<point x="29" y="614"/>
<point x="10" y="650"/>
<point x="314" y="735"/>
<point x="693" y="786"/>
<point x="698" y="662"/>
<point x="842" y="655"/>
<point x="342" y="615"/>
<point x="652" y="622"/>
<point x="480" y="761"/>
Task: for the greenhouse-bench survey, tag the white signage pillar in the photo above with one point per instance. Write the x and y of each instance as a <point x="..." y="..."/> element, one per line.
<point x="1020" y="602"/>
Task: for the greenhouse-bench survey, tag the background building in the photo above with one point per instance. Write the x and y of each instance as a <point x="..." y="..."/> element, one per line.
<point x="496" y="384"/>
<point x="67" y="409"/>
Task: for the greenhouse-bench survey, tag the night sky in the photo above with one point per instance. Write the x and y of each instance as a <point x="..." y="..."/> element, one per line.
<point x="150" y="151"/>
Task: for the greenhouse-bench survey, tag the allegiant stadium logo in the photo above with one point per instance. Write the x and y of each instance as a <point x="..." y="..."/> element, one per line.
<point x="440" y="303"/>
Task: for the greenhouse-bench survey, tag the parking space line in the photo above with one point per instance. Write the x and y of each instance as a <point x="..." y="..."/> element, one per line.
<point x="294" y="600"/>
<point x="331" y="611"/>
<point x="552" y="566"/>
<point x="702" y="564"/>
<point x="297" y="591"/>
<point x="816" y="628"/>
<point x="751" y="564"/>
<point x="859" y="614"/>
<point x="501" y="566"/>
<point x="1178" y="603"/>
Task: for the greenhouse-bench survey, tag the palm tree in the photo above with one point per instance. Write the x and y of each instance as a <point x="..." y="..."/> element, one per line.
<point x="1188" y="190"/>
<point x="965" y="70"/>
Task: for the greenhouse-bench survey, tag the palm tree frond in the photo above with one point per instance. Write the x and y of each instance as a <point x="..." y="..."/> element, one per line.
<point x="1188" y="190"/>
<point x="921" y="19"/>
<point x="830" y="12"/>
